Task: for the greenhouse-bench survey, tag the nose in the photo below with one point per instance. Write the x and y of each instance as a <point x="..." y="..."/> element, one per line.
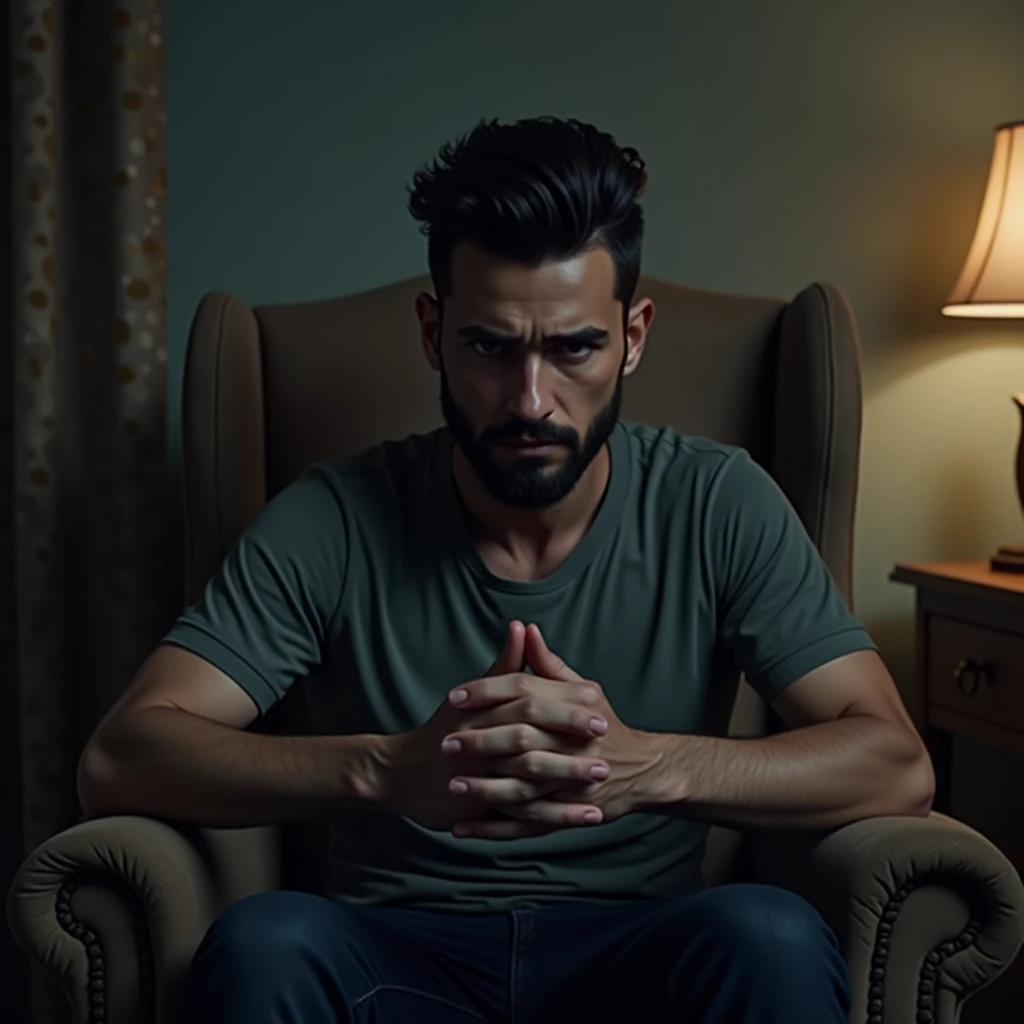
<point x="530" y="397"/>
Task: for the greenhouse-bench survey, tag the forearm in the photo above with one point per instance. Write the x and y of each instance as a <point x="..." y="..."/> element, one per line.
<point x="169" y="763"/>
<point x="818" y="777"/>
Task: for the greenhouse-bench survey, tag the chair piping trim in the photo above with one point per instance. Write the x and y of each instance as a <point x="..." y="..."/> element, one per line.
<point x="215" y="429"/>
<point x="97" y="1010"/>
<point x="828" y="386"/>
<point x="925" y="1010"/>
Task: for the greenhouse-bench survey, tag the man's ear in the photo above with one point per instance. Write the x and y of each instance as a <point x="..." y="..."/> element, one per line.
<point x="428" y="312"/>
<point x="638" y="323"/>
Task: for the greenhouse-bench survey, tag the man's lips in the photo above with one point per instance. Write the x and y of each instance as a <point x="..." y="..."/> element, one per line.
<point x="530" y="445"/>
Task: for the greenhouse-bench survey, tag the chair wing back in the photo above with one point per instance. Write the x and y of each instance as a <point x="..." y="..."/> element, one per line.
<point x="269" y="390"/>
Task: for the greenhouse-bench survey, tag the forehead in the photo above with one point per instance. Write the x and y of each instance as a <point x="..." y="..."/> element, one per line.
<point x="583" y="285"/>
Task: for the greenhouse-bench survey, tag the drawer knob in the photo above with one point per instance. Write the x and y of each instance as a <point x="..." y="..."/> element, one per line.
<point x="970" y="674"/>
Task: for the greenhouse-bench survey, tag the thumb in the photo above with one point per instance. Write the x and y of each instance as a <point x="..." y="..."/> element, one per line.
<point x="545" y="662"/>
<point x="513" y="654"/>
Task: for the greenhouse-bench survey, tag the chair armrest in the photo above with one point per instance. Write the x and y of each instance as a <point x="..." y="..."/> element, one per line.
<point x="927" y="911"/>
<point x="114" y="908"/>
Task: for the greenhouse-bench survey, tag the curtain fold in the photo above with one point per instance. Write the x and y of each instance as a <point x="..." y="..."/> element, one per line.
<point x="87" y="359"/>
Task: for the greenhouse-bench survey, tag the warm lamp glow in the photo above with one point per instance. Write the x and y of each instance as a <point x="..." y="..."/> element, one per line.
<point x="995" y="310"/>
<point x="991" y="283"/>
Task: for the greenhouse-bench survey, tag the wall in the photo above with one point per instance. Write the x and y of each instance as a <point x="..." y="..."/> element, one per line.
<point x="786" y="142"/>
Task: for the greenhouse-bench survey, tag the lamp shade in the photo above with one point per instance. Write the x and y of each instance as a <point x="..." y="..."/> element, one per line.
<point x="991" y="283"/>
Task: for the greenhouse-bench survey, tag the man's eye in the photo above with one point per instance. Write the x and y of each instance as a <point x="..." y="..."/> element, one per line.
<point x="489" y="348"/>
<point x="577" y="351"/>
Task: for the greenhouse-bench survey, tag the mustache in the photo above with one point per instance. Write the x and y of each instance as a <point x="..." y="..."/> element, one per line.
<point x="531" y="435"/>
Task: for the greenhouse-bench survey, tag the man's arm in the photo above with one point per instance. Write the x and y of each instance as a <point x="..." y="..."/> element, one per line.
<point x="852" y="753"/>
<point x="174" y="746"/>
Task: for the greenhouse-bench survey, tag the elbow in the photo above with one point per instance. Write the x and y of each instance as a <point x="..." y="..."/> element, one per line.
<point x="96" y="780"/>
<point x="921" y="786"/>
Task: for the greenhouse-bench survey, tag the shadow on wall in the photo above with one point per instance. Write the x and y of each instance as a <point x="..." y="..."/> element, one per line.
<point x="896" y="644"/>
<point x="959" y="527"/>
<point x="911" y="332"/>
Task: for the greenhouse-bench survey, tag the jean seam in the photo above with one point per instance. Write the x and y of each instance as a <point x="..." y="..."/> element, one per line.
<point x="417" y="992"/>
<point x="520" y="939"/>
<point x="513" y="1005"/>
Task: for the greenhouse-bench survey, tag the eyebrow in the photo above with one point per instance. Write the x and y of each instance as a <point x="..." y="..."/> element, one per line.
<point x="477" y="332"/>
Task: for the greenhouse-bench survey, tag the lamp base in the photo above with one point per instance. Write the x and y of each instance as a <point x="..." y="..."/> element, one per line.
<point x="1009" y="558"/>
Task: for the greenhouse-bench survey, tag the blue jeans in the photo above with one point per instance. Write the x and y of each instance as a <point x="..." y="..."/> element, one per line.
<point x="733" y="954"/>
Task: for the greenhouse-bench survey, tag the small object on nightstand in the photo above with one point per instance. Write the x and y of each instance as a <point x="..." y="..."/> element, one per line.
<point x="969" y="657"/>
<point x="991" y="283"/>
<point x="1010" y="557"/>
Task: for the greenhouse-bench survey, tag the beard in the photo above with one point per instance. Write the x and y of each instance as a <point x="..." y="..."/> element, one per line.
<point x="530" y="482"/>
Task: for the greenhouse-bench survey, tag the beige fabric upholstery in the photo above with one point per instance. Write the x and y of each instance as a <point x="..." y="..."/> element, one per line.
<point x="927" y="911"/>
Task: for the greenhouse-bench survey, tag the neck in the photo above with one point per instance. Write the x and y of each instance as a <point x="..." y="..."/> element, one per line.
<point x="531" y="537"/>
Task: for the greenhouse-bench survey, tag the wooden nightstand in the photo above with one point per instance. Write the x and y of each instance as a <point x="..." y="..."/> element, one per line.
<point x="970" y="658"/>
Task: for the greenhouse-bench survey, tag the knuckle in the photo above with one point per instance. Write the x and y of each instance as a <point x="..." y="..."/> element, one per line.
<point x="522" y="684"/>
<point x="533" y="764"/>
<point x="593" y="691"/>
<point x="523" y="737"/>
<point x="532" y="709"/>
<point x="526" y="791"/>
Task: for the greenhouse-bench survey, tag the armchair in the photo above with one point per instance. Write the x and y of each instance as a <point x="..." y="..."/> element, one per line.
<point x="927" y="911"/>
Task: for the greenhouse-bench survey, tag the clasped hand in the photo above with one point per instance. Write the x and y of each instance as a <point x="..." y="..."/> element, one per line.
<point x="545" y="750"/>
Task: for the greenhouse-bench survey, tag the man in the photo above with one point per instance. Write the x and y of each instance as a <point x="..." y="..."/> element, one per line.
<point x="525" y="844"/>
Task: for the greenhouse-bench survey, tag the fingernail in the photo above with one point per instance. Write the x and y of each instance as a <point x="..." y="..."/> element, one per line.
<point x="458" y="696"/>
<point x="458" y="786"/>
<point x="451" y="746"/>
<point x="592" y="817"/>
<point x="599" y="771"/>
<point x="598" y="725"/>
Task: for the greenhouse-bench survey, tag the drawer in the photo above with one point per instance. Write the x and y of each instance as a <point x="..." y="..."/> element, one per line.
<point x="977" y="671"/>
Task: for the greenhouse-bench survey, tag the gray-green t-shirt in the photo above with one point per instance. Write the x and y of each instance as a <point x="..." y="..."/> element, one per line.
<point x="362" y="576"/>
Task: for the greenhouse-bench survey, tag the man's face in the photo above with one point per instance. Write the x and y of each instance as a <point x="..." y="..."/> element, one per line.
<point x="531" y="355"/>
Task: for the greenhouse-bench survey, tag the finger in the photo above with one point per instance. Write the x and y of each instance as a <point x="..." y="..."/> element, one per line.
<point x="543" y="815"/>
<point x="547" y="766"/>
<point x="491" y="690"/>
<point x="513" y="654"/>
<point x="501" y="739"/>
<point x="554" y="812"/>
<point x="545" y="714"/>
<point x="544" y="661"/>
<point x="497" y="791"/>
<point x="514" y="782"/>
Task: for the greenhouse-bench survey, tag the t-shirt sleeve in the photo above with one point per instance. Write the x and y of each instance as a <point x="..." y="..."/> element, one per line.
<point x="264" y="618"/>
<point x="780" y="613"/>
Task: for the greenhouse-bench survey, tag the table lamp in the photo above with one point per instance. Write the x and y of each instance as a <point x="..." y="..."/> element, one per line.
<point x="991" y="284"/>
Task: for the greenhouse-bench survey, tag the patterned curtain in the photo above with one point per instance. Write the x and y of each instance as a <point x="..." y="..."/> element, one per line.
<point x="86" y="354"/>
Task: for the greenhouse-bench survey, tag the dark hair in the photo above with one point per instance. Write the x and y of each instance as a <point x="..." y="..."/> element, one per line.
<point x="533" y="190"/>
